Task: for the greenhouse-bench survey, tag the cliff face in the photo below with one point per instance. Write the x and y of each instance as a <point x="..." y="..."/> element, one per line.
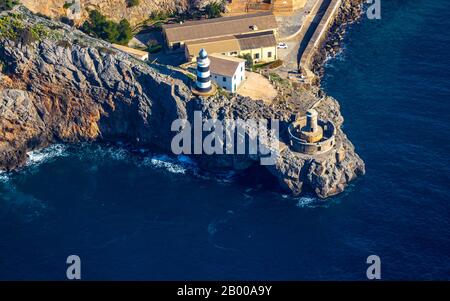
<point x="69" y="87"/>
<point x="115" y="9"/>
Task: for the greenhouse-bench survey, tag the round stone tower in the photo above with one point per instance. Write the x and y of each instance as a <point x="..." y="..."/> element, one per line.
<point x="203" y="83"/>
<point x="311" y="132"/>
<point x="310" y="135"/>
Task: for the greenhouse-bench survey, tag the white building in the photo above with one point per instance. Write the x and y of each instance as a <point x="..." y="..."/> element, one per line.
<point x="227" y="72"/>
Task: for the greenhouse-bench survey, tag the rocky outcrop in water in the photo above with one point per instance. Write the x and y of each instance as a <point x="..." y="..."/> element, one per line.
<point x="350" y="11"/>
<point x="68" y="87"/>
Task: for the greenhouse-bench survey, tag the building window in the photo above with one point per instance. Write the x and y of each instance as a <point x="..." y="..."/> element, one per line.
<point x="176" y="45"/>
<point x="256" y="56"/>
<point x="269" y="54"/>
<point x="242" y="68"/>
<point x="224" y="79"/>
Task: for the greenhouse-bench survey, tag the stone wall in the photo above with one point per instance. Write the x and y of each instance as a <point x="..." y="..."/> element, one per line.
<point x="323" y="146"/>
<point x="319" y="34"/>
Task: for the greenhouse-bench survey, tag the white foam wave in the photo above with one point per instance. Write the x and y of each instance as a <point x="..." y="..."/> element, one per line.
<point x="306" y="202"/>
<point x="179" y="165"/>
<point x="339" y="56"/>
<point x="3" y="176"/>
<point x="38" y="157"/>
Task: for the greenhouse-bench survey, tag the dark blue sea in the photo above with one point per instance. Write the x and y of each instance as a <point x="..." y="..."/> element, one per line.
<point x="147" y="216"/>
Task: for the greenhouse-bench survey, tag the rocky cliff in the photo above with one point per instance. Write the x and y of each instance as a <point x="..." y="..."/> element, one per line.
<point x="59" y="85"/>
<point x="115" y="9"/>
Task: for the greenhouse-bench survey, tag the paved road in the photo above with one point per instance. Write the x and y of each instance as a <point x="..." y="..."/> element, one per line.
<point x="298" y="44"/>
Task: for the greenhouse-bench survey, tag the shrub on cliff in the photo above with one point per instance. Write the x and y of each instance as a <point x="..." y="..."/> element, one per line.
<point x="131" y="3"/>
<point x="7" y="4"/>
<point x="215" y="9"/>
<point x="159" y="15"/>
<point x="68" y="5"/>
<point x="14" y="29"/>
<point x="110" y="31"/>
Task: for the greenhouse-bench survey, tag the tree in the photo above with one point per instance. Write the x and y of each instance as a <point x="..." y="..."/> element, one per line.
<point x="248" y="60"/>
<point x="131" y="3"/>
<point x="100" y="27"/>
<point x="7" y="4"/>
<point x="214" y="9"/>
<point x="125" y="32"/>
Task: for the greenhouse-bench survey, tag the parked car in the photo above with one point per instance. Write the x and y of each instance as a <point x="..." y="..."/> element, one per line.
<point x="282" y="45"/>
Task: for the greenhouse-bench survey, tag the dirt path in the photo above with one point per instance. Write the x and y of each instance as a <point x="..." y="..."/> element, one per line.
<point x="257" y="87"/>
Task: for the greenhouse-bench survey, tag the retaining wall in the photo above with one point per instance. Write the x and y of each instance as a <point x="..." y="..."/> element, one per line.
<point x="319" y="34"/>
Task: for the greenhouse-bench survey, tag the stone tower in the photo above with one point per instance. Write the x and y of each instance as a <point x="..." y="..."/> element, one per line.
<point x="203" y="83"/>
<point x="311" y="132"/>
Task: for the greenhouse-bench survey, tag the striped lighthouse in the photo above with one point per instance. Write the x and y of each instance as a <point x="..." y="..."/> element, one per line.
<point x="203" y="83"/>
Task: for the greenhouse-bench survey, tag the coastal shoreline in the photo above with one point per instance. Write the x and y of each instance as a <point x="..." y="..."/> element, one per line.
<point x="350" y="11"/>
<point x="80" y="90"/>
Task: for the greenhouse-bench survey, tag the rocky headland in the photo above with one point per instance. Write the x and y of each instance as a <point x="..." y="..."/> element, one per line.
<point x="58" y="85"/>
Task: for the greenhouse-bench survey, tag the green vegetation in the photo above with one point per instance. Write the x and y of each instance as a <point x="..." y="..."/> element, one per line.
<point x="67" y="5"/>
<point x="155" y="20"/>
<point x="159" y="15"/>
<point x="215" y="9"/>
<point x="275" y="77"/>
<point x="269" y="65"/>
<point x="260" y="65"/>
<point x="7" y="4"/>
<point x="155" y="48"/>
<point x="277" y="80"/>
<point x="275" y="64"/>
<point x="98" y="26"/>
<point x="248" y="60"/>
<point x="223" y="92"/>
<point x="191" y="76"/>
<point x="131" y="3"/>
<point x="13" y="28"/>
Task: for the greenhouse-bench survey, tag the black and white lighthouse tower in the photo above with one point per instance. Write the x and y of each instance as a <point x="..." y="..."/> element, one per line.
<point x="203" y="83"/>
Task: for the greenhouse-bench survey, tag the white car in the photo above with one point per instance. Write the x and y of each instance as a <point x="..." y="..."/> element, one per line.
<point x="282" y="45"/>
